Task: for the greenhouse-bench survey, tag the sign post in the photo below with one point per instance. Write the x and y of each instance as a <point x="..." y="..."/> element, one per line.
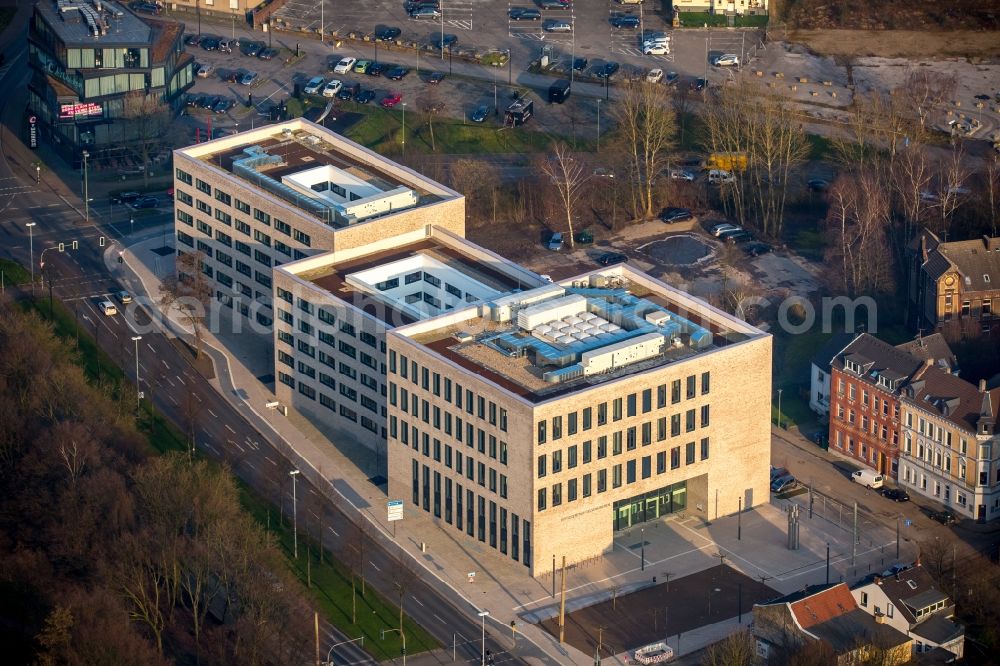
<point x="394" y="511"/>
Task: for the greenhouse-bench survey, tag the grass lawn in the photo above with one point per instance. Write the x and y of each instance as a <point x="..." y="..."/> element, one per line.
<point x="792" y="357"/>
<point x="331" y="583"/>
<point x="14" y="273"/>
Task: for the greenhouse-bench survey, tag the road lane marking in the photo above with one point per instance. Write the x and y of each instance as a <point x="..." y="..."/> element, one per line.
<point x="314" y="514"/>
<point x="375" y="566"/>
<point x="180" y="380"/>
<point x="150" y="347"/>
<point x="229" y="441"/>
<point x="230" y="429"/>
<point x="210" y="447"/>
<point x="214" y="415"/>
<point x="438" y="618"/>
<point x="173" y="400"/>
<point x="419" y="603"/>
<point x="164" y="364"/>
<point x="196" y="396"/>
<point x="334" y="532"/>
<point x="250" y="464"/>
<point x="268" y="458"/>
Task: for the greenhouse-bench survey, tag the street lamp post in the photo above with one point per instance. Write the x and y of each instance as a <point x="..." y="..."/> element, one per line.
<point x="329" y="652"/>
<point x="38" y="173"/>
<point x="295" y="516"/>
<point x="404" y="130"/>
<point x="131" y="224"/>
<point x="484" y="614"/>
<point x="31" y="251"/>
<point x="138" y="394"/>
<point x="779" y="408"/>
<point x="642" y="545"/>
<point x="402" y="635"/>
<point x="598" y="124"/>
<point x="86" y="189"/>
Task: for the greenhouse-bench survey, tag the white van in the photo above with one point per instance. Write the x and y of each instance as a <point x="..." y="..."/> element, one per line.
<point x="868" y="478"/>
<point x="720" y="176"/>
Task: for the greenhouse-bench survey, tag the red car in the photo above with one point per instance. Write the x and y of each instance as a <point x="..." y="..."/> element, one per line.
<point x="391" y="100"/>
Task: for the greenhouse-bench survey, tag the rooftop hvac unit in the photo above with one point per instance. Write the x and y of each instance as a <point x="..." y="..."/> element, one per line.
<point x="463" y="337"/>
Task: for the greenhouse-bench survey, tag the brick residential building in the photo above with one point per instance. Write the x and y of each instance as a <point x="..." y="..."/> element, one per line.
<point x="866" y="379"/>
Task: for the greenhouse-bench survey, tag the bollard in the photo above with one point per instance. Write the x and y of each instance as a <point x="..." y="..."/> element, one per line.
<point x="833" y="93"/>
<point x="803" y="79"/>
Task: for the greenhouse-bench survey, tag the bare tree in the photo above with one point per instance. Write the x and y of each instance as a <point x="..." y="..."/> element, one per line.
<point x="189" y="292"/>
<point x="403" y="577"/>
<point x="145" y="120"/>
<point x="568" y="175"/>
<point x="952" y="192"/>
<point x="924" y="90"/>
<point x="858" y="219"/>
<point x="991" y="192"/>
<point x="737" y="649"/>
<point x="647" y="124"/>
<point x="431" y="104"/>
<point x="912" y="181"/>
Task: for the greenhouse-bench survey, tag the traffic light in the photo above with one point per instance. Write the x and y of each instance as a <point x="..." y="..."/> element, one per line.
<point x="62" y="247"/>
<point x="100" y="241"/>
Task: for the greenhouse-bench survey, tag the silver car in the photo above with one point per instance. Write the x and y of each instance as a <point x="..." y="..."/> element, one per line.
<point x="557" y="25"/>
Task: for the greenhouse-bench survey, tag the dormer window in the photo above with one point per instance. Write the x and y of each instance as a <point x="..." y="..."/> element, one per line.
<point x="853" y="367"/>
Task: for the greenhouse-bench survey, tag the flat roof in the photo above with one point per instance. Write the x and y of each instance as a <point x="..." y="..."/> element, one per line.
<point x="566" y="337"/>
<point x="297" y="147"/>
<point x="117" y="25"/>
<point x="356" y="281"/>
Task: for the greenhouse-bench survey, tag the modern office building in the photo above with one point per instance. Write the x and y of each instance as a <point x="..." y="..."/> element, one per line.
<point x="540" y="422"/>
<point x="532" y="418"/>
<point x="260" y="198"/>
<point x="86" y="57"/>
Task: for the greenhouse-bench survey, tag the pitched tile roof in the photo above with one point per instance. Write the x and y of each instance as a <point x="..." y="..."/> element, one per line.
<point x="939" y="629"/>
<point x="973" y="259"/>
<point x="934" y="347"/>
<point x="847" y="632"/>
<point x="951" y="397"/>
<point x="907" y="590"/>
<point x="822" y="605"/>
<point x="877" y="358"/>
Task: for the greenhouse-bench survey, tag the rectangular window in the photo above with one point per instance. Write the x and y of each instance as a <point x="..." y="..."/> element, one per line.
<point x="586" y="452"/>
<point x="689" y="453"/>
<point x="571" y="457"/>
<point x="704" y="448"/>
<point x="675" y="457"/>
<point x="630" y="471"/>
<point x="675" y="391"/>
<point x="587" y="416"/>
<point x="647" y="467"/>
<point x="541" y="499"/>
<point x="706" y="379"/>
<point x="630" y="405"/>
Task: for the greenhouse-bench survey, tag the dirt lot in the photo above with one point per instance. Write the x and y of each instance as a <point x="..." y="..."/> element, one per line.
<point x="899" y="43"/>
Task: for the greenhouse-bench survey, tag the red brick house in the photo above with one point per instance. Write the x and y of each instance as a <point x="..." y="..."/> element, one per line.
<point x="866" y="380"/>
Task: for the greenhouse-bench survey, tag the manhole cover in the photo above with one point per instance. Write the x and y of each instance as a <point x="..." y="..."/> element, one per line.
<point x="679" y="250"/>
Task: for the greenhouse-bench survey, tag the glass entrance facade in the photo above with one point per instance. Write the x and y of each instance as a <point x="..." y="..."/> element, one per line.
<point x="650" y="506"/>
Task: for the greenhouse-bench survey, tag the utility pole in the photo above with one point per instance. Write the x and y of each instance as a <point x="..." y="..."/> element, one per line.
<point x="854" y="536"/>
<point x="562" y="603"/>
<point x="739" y="513"/>
<point x="898" y="516"/>
<point x="827" y="562"/>
<point x="138" y="393"/>
<point x="86" y="188"/>
<point x="642" y="547"/>
<point x="31" y="251"/>
<point x="553" y="576"/>
<point x="295" y="516"/>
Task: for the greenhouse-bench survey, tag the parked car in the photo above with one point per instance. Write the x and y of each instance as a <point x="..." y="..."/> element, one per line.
<point x="251" y="48"/>
<point x="208" y="101"/>
<point x="314" y="85"/>
<point x="481" y="113"/>
<point x="699" y="84"/>
<point x="125" y="197"/>
<point x="426" y="13"/>
<point x="720" y="177"/>
<point x="524" y="14"/>
<point x="397" y="73"/>
<point x="603" y="172"/>
<point x="727" y="60"/>
<point x="364" y="96"/>
<point x="612" y="258"/>
<point x="672" y="78"/>
<point x="944" y="517"/>
<point x="585" y="237"/>
<point x="248" y="79"/>
<point x="190" y="40"/>
<point x="148" y="7"/>
<point x="347" y="92"/>
<point x="345" y="65"/>
<point x="783" y="483"/>
<point x="230" y="75"/>
<point x="655" y="49"/>
<point x="205" y="70"/>
<point x="222" y="105"/>
<point x="267" y="54"/>
<point x="868" y="478"/>
<point x="391" y="100"/>
<point x="739" y="237"/>
<point x="555" y="242"/>
<point x="446" y="41"/>
<point x="654" y="76"/>
<point x="607" y="70"/>
<point x="719" y="229"/>
<point x="895" y="494"/>
<point x="778" y="471"/>
<point x="681" y="174"/>
<point x="580" y="64"/>
<point x="628" y="21"/>
<point x="145" y="202"/>
<point x="332" y="88"/>
<point x="124" y="297"/>
<point x="818" y="185"/>
<point x="555" y="4"/>
<point x="557" y="25"/>
<point x="386" y="33"/>
<point x="361" y="66"/>
<point x="671" y="215"/>
<point x="756" y="249"/>
<point x="375" y="69"/>
<point x="435" y="78"/>
<point x="724" y="235"/>
<point x="108" y="308"/>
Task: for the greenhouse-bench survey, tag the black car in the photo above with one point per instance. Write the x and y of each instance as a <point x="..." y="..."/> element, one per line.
<point x="208" y="101"/>
<point x="397" y="73"/>
<point x="625" y="22"/>
<point x="222" y="105"/>
<point x="148" y="7"/>
<point x="729" y="232"/>
<point x="699" y="84"/>
<point x="671" y="78"/>
<point x="192" y="99"/>
<point x="436" y="77"/>
<point x="364" y="96"/>
<point x="209" y="43"/>
<point x="818" y="185"/>
<point x="671" y="215"/>
<point x="145" y="202"/>
<point x="612" y="258"/>
<point x="230" y="76"/>
<point x="895" y="494"/>
<point x="580" y="64"/>
<point x="446" y="41"/>
<point x="607" y="70"/>
<point x="739" y="237"/>
<point x="756" y="249"/>
<point x="125" y="197"/>
<point x="348" y="92"/>
<point x="375" y="69"/>
<point x="480" y="114"/>
<point x="386" y="33"/>
<point x="943" y="517"/>
<point x="191" y="40"/>
<point x="418" y="4"/>
<point x="524" y="14"/>
<point x="251" y="48"/>
<point x="555" y="4"/>
<point x="267" y="54"/>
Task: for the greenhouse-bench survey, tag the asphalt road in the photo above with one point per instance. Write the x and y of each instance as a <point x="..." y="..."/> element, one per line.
<point x="81" y="279"/>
